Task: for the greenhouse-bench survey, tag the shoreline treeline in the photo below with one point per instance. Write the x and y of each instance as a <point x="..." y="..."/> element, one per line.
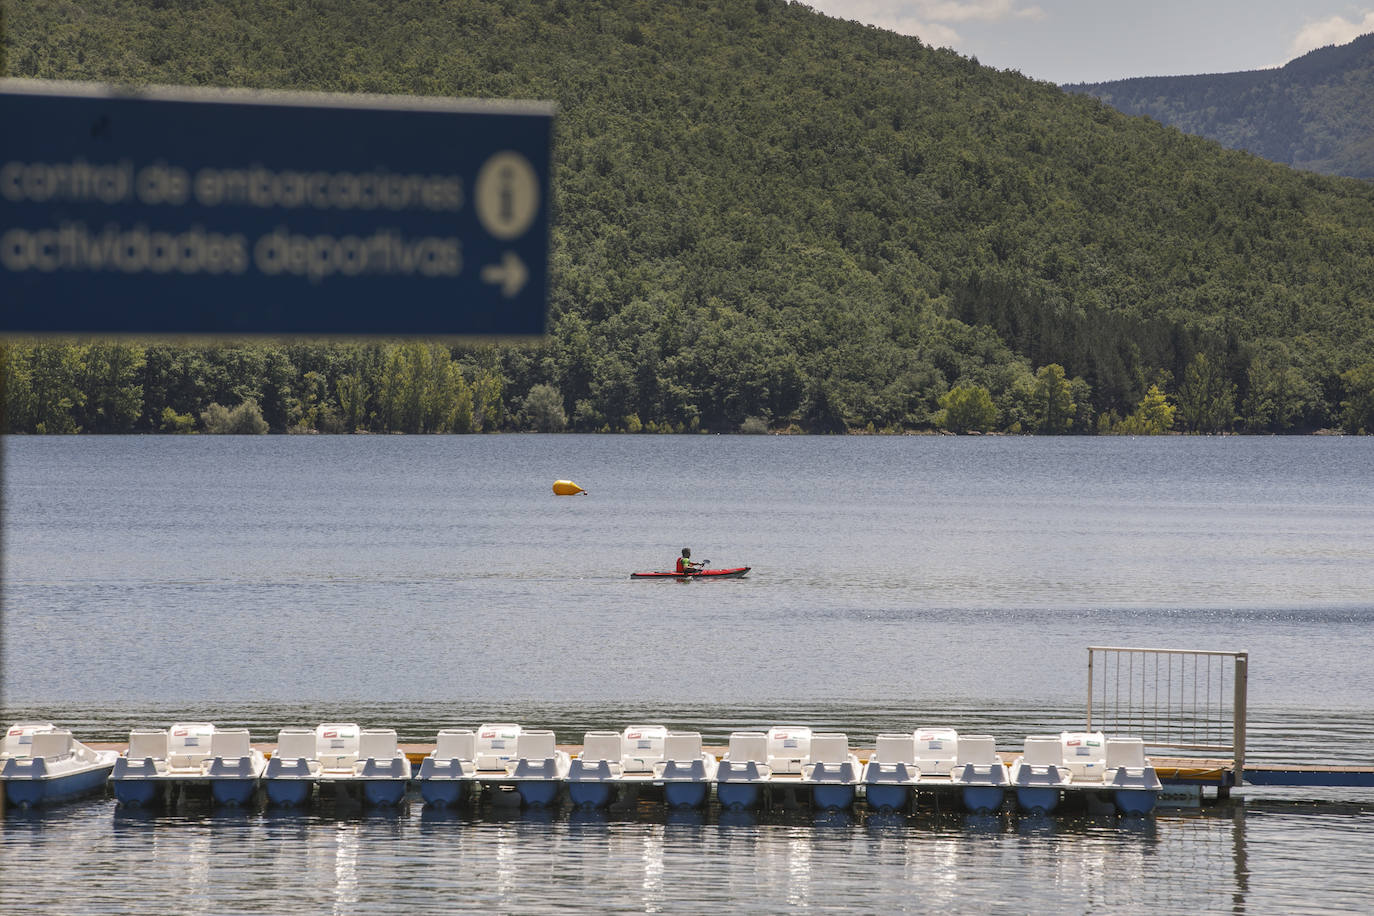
<point x="417" y="387"/>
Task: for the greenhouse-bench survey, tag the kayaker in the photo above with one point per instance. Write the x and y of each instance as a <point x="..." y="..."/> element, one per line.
<point x="684" y="562"/>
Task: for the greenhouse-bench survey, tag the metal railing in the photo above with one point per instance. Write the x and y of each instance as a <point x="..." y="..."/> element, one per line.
<point x="1176" y="699"/>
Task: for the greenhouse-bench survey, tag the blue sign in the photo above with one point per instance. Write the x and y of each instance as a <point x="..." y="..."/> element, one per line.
<point x="182" y="211"/>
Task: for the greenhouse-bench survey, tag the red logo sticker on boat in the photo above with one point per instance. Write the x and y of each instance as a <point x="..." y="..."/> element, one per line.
<point x="16" y="731"/>
<point x="1073" y="743"/>
<point x="632" y="735"/>
<point x="179" y="733"/>
<point x="488" y="734"/>
<point x="332" y="734"/>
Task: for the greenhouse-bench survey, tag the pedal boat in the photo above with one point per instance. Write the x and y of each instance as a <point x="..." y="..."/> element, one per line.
<point x="40" y="763"/>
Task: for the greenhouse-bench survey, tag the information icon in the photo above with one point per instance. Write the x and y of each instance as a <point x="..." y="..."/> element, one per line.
<point x="507" y="195"/>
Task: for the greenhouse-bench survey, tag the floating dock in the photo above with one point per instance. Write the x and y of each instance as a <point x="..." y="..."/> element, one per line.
<point x="1216" y="774"/>
<point x="538" y="779"/>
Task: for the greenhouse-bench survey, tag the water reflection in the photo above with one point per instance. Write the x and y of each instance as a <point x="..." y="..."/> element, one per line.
<point x="798" y="859"/>
<point x="983" y="823"/>
<point x="879" y="822"/>
<point x="685" y="817"/>
<point x="833" y="818"/>
<point x="507" y="864"/>
<point x="593" y="819"/>
<point x="651" y="862"/>
<point x="737" y="817"/>
<point x="1249" y="855"/>
<point x="345" y="868"/>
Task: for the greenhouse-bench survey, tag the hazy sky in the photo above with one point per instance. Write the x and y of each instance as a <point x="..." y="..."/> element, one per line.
<point x="1073" y="41"/>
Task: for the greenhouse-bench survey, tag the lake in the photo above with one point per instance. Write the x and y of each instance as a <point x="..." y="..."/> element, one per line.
<point x="426" y="582"/>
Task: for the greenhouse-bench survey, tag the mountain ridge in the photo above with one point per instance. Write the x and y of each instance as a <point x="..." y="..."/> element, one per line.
<point x="1316" y="112"/>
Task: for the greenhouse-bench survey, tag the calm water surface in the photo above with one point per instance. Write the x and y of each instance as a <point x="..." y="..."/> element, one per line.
<point x="425" y="582"/>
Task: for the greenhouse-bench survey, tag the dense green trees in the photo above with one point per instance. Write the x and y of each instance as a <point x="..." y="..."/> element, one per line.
<point x="411" y="386"/>
<point x="244" y="420"/>
<point x="1153" y="417"/>
<point x="1207" y="399"/>
<point x="1278" y="396"/>
<point x="967" y="408"/>
<point x="761" y="212"/>
<point x="1358" y="407"/>
<point x="408" y="387"/>
<point x="56" y="388"/>
<point x="1053" y="398"/>
<point x="543" y="410"/>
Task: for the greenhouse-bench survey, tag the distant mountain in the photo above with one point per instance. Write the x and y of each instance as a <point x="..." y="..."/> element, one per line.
<point x="1315" y="113"/>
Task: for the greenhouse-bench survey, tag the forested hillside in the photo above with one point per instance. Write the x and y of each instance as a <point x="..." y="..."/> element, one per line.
<point x="1317" y="112"/>
<point x="766" y="218"/>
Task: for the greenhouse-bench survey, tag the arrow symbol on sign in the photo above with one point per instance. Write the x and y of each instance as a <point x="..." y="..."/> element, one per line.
<point x="510" y="274"/>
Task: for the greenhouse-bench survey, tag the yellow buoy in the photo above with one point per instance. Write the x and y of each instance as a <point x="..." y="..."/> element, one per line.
<point x="566" y="488"/>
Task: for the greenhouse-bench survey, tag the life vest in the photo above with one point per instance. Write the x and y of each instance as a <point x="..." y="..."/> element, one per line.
<point x="682" y="565"/>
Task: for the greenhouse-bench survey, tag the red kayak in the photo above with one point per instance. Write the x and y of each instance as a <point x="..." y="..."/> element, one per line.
<point x="733" y="573"/>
